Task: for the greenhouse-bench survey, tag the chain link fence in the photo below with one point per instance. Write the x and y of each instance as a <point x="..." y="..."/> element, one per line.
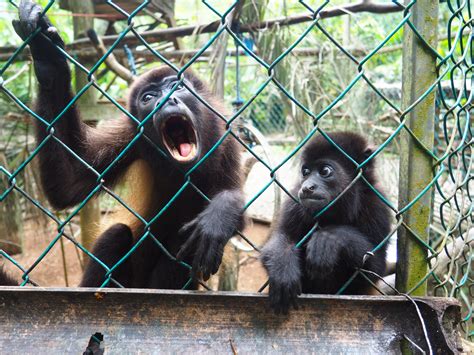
<point x="433" y="217"/>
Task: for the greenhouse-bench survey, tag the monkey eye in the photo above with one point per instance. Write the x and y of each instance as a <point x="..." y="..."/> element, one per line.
<point x="174" y="82"/>
<point x="325" y="171"/>
<point x="147" y="97"/>
<point x="305" y="171"/>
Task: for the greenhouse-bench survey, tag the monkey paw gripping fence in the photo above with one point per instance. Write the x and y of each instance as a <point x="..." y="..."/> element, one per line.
<point x="437" y="103"/>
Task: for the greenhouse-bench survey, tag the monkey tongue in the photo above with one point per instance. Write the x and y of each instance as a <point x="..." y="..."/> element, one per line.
<point x="184" y="149"/>
<point x="182" y="144"/>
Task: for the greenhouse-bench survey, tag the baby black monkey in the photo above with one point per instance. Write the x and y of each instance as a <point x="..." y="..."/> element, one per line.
<point x="354" y="225"/>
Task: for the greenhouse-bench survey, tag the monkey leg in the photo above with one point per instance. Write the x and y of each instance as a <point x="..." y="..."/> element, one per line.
<point x="109" y="248"/>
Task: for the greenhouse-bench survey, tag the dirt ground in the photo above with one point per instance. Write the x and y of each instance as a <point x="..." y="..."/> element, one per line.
<point x="50" y="270"/>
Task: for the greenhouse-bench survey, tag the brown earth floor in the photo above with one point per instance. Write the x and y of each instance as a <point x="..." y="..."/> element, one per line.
<point x="50" y="270"/>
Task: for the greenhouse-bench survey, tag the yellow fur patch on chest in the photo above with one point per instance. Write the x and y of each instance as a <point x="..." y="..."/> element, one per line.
<point x="138" y="183"/>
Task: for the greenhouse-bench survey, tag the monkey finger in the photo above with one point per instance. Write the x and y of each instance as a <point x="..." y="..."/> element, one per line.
<point x="277" y="308"/>
<point x="289" y="299"/>
<point x="197" y="276"/>
<point x="30" y="19"/>
<point x="299" y="289"/>
<point x="206" y="275"/>
<point x="218" y="259"/>
<point x="198" y="258"/>
<point x="24" y="9"/>
<point x="206" y="264"/>
<point x="274" y="296"/>
<point x="44" y="22"/>
<point x="294" y="303"/>
<point x="19" y="29"/>
<point x="30" y="15"/>
<point x="311" y="269"/>
<point x="271" y="290"/>
<point x="187" y="226"/>
<point x="284" y="300"/>
<point x="187" y="246"/>
<point x="294" y="297"/>
<point x="212" y="258"/>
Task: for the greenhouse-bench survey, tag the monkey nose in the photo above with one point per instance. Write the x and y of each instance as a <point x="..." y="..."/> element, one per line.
<point x="173" y="100"/>
<point x="308" y="190"/>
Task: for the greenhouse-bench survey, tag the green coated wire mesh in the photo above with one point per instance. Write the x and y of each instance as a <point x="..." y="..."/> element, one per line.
<point x="447" y="248"/>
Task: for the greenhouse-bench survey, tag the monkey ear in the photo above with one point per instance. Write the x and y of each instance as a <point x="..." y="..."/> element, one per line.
<point x="369" y="150"/>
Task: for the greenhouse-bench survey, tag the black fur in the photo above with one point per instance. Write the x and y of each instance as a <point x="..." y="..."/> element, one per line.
<point x="350" y="228"/>
<point x="66" y="181"/>
<point x="5" y="279"/>
<point x="112" y="245"/>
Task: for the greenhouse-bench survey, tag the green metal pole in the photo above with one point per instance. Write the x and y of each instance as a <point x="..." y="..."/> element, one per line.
<point x="416" y="165"/>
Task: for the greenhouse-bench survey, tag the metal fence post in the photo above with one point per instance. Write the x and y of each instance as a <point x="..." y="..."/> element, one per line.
<point x="416" y="165"/>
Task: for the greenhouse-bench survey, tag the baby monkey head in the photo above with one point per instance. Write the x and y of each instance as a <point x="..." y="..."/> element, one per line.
<point x="326" y="171"/>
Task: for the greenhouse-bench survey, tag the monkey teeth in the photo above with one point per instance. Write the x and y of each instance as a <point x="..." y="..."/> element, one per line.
<point x="179" y="138"/>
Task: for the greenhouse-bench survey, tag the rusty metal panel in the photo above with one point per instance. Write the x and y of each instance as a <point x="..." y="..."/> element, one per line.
<point x="38" y="320"/>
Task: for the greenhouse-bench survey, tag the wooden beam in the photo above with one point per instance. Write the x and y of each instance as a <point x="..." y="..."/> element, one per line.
<point x="36" y="320"/>
<point x="82" y="47"/>
<point x="168" y="34"/>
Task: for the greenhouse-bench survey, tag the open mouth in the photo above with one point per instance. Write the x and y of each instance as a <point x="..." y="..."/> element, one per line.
<point x="179" y="137"/>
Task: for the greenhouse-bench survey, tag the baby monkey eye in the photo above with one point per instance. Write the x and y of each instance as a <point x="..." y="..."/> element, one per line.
<point x="305" y="171"/>
<point x="325" y="171"/>
<point x="147" y="97"/>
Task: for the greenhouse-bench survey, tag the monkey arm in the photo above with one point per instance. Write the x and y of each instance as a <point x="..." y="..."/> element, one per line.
<point x="282" y="261"/>
<point x="283" y="266"/>
<point x="341" y="249"/>
<point x="65" y="179"/>
<point x="110" y="248"/>
<point x="211" y="230"/>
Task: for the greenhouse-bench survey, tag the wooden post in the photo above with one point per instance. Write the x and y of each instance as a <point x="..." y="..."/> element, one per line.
<point x="416" y="166"/>
<point x="90" y="213"/>
<point x="10" y="216"/>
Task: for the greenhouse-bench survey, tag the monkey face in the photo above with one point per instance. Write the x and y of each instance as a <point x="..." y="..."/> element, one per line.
<point x="173" y="125"/>
<point x="321" y="183"/>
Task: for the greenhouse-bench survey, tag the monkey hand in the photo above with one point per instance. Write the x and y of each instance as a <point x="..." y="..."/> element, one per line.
<point x="284" y="274"/>
<point x="207" y="243"/>
<point x="210" y="231"/>
<point x="44" y="44"/>
<point x="324" y="252"/>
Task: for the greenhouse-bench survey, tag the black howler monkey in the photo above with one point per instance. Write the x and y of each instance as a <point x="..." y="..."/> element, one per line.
<point x="350" y="228"/>
<point x="192" y="228"/>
